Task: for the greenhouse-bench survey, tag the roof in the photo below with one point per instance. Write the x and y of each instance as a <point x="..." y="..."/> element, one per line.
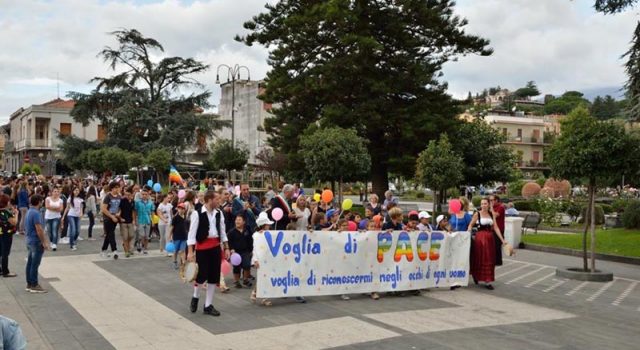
<point x="59" y="103"/>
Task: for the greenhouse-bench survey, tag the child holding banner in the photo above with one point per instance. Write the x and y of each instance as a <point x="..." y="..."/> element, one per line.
<point x="262" y="223"/>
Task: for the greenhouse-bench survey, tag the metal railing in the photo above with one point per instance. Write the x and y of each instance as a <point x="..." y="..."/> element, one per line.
<point x="33" y="143"/>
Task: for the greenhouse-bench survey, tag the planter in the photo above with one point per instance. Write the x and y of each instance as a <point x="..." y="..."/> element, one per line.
<point x="576" y="273"/>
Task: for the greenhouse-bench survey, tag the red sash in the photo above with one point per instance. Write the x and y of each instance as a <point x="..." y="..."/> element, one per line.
<point x="208" y="243"/>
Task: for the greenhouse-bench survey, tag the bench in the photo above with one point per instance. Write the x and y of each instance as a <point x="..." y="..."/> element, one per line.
<point x="531" y="221"/>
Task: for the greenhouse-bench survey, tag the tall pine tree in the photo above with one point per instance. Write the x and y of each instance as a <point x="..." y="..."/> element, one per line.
<point x="372" y="66"/>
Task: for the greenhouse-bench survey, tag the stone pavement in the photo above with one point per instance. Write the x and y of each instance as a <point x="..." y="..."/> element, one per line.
<point x="96" y="303"/>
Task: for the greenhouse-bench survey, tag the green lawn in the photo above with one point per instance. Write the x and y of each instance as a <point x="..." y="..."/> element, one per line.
<point x="613" y="241"/>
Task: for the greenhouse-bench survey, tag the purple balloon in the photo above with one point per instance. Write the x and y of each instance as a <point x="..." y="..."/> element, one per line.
<point x="236" y="259"/>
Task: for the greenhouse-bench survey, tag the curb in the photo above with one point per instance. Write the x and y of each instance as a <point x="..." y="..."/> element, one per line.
<point x="578" y="253"/>
<point x="575" y="273"/>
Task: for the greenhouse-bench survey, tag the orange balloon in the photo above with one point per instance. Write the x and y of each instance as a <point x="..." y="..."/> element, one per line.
<point x="327" y="196"/>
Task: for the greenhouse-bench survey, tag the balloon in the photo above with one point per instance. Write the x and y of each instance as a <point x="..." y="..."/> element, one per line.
<point x="150" y="183"/>
<point x="353" y="226"/>
<point x="455" y="206"/>
<point x="327" y="196"/>
<point x="347" y="204"/>
<point x="277" y="214"/>
<point x="236" y="259"/>
<point x="316" y="197"/>
<point x="225" y="268"/>
<point x="181" y="194"/>
<point x="157" y="187"/>
<point x="170" y="247"/>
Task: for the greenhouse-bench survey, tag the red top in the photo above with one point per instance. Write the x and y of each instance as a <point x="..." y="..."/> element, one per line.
<point x="498" y="209"/>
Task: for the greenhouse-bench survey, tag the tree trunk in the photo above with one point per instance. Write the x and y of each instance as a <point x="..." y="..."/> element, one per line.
<point x="433" y="217"/>
<point x="340" y="193"/>
<point x="379" y="173"/>
<point x="592" y="203"/>
<point x="587" y="218"/>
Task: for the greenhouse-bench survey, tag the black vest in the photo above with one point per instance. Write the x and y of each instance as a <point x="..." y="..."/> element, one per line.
<point x="203" y="226"/>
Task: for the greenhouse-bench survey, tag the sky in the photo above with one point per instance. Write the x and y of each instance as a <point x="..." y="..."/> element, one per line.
<point x="560" y="44"/>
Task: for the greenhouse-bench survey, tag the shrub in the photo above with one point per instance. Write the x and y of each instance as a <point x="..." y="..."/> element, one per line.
<point x="572" y="208"/>
<point x="515" y="188"/>
<point x="607" y="208"/>
<point x="631" y="215"/>
<point x="599" y="214"/>
<point x="548" y="209"/>
<point x="420" y="195"/>
<point x="530" y="189"/>
<point x="529" y="205"/>
<point x="541" y="181"/>
<point x="476" y="201"/>
<point x="620" y="204"/>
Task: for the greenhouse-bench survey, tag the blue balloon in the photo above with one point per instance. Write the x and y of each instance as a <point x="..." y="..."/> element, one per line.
<point x="157" y="187"/>
<point x="150" y="183"/>
<point x="170" y="247"/>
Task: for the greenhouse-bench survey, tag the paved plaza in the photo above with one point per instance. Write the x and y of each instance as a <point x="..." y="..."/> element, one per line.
<point x="139" y="303"/>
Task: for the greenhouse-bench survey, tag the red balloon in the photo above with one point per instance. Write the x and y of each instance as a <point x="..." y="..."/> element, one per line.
<point x="225" y="268"/>
<point x="455" y="206"/>
<point x="353" y="226"/>
<point x="327" y="196"/>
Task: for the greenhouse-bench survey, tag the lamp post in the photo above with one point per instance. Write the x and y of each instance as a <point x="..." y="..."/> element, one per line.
<point x="233" y="74"/>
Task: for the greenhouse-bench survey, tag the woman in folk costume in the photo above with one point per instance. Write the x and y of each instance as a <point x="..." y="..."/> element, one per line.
<point x="483" y="251"/>
<point x="283" y="201"/>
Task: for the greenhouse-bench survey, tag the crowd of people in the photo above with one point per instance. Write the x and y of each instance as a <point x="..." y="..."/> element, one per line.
<point x="210" y="224"/>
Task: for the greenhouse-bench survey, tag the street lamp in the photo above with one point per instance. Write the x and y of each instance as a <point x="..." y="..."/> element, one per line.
<point x="233" y="74"/>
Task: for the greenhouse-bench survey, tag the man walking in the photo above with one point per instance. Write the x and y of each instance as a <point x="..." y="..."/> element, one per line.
<point x="206" y="235"/>
<point x="110" y="209"/>
<point x="142" y="217"/>
<point x="37" y="243"/>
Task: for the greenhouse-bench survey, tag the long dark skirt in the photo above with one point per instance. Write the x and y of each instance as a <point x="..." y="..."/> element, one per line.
<point x="483" y="257"/>
<point x="498" y="245"/>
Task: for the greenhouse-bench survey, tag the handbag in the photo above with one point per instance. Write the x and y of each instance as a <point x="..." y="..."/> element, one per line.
<point x="507" y="250"/>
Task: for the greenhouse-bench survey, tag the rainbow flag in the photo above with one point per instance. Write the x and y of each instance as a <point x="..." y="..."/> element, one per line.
<point x="174" y="176"/>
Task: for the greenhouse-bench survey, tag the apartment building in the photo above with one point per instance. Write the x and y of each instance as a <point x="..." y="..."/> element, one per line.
<point x="525" y="135"/>
<point x="32" y="135"/>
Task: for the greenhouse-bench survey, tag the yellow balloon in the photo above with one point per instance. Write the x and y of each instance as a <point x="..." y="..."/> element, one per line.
<point x="316" y="197"/>
<point x="347" y="204"/>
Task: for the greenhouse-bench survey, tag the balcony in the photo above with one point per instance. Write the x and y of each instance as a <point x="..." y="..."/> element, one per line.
<point x="531" y="164"/>
<point x="33" y="144"/>
<point x="525" y="140"/>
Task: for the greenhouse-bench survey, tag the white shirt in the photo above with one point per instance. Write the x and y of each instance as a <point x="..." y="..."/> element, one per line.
<point x="76" y="207"/>
<point x="50" y="214"/>
<point x="303" y="219"/>
<point x="165" y="210"/>
<point x="213" y="226"/>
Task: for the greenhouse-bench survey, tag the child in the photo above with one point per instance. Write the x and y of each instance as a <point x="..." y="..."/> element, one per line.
<point x="343" y="225"/>
<point x="178" y="235"/>
<point x="262" y="223"/>
<point x="412" y="225"/>
<point x="424" y="217"/>
<point x="241" y="243"/>
<point x="318" y="222"/>
<point x="395" y="220"/>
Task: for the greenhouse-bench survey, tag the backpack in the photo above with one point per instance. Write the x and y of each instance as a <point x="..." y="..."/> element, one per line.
<point x="203" y="226"/>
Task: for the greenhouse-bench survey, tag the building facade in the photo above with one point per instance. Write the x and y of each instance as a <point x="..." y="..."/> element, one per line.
<point x="32" y="135"/>
<point x="525" y="135"/>
<point x="249" y="114"/>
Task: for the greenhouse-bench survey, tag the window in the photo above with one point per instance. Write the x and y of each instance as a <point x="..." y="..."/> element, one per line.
<point x="65" y="129"/>
<point x="102" y="133"/>
<point x="519" y="132"/>
<point x="504" y="131"/>
<point x="536" y="136"/>
<point x="536" y="156"/>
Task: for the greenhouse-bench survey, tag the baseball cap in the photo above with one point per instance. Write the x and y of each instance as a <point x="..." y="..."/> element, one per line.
<point x="439" y="218"/>
<point x="331" y="212"/>
<point x="423" y="215"/>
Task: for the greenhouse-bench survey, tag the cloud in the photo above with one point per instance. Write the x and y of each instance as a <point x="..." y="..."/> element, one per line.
<point x="560" y="44"/>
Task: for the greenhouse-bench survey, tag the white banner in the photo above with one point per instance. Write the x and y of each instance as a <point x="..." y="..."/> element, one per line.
<point x="300" y="263"/>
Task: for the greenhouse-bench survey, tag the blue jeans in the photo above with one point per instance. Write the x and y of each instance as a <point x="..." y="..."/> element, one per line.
<point x="35" y="251"/>
<point x="73" y="230"/>
<point x="52" y="228"/>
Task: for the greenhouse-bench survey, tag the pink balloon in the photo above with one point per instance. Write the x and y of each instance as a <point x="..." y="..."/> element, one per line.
<point x="455" y="206"/>
<point x="236" y="259"/>
<point x="277" y="214"/>
<point x="181" y="194"/>
<point x="225" y="268"/>
<point x="353" y="226"/>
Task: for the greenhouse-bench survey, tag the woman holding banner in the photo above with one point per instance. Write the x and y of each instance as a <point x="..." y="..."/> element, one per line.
<point x="483" y="251"/>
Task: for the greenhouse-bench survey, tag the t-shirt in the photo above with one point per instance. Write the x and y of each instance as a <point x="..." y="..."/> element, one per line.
<point x="144" y="210"/>
<point x="390" y="226"/>
<point x="460" y="224"/>
<point x="112" y="202"/>
<point x="240" y="241"/>
<point x="165" y="211"/>
<point x="126" y="210"/>
<point x="179" y="228"/>
<point x="5" y="227"/>
<point x="50" y="214"/>
<point x="33" y="218"/>
<point x="76" y="207"/>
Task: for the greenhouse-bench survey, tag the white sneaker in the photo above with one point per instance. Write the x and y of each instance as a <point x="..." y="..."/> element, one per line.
<point x="80" y="238"/>
<point x="345" y="297"/>
<point x="74" y="248"/>
<point x="104" y="254"/>
<point x="54" y="247"/>
<point x="64" y="240"/>
<point x="115" y="255"/>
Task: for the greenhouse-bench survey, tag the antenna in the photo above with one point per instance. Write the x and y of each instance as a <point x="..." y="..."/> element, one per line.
<point x="58" y="83"/>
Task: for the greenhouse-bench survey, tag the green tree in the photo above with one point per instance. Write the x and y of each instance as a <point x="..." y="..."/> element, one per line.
<point x="605" y="108"/>
<point x="593" y="150"/>
<point x="486" y="159"/>
<point x="224" y="156"/>
<point x="115" y="160"/>
<point x="72" y="147"/>
<point x="140" y="105"/>
<point x="160" y="160"/>
<point x="613" y="6"/>
<point x="566" y="103"/>
<point x="136" y="160"/>
<point x="27" y="169"/>
<point x="439" y="167"/>
<point x="335" y="154"/>
<point x="371" y="66"/>
<point x="530" y="90"/>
